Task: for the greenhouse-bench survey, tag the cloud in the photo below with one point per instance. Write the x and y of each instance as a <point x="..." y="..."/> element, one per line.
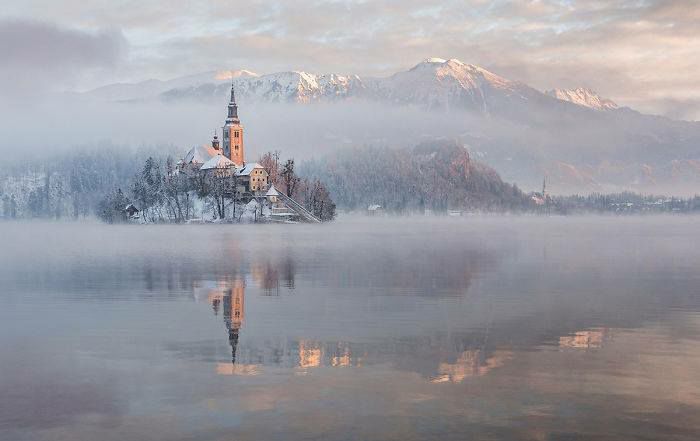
<point x="37" y="56"/>
<point x="632" y="51"/>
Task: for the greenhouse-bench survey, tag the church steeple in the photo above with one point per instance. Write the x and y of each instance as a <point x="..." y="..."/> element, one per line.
<point x="233" y="133"/>
<point x="232" y="107"/>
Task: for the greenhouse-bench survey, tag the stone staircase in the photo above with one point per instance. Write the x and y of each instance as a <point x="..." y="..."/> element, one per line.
<point x="299" y="209"/>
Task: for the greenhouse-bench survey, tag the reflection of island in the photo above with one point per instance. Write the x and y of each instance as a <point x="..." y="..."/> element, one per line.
<point x="438" y="357"/>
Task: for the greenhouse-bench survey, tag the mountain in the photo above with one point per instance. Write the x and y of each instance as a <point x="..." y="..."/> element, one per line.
<point x="433" y="84"/>
<point x="579" y="140"/>
<point x="283" y="87"/>
<point x="153" y="88"/>
<point x="583" y="97"/>
<point x="446" y="84"/>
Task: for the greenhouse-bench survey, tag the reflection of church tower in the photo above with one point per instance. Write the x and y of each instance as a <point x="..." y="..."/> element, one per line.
<point x="233" y="133"/>
<point x="234" y="300"/>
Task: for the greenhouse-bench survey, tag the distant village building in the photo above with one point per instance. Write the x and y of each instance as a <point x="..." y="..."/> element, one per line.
<point x="229" y="158"/>
<point x="374" y="209"/>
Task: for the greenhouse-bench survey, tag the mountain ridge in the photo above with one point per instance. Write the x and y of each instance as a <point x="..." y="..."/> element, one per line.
<point x="433" y="83"/>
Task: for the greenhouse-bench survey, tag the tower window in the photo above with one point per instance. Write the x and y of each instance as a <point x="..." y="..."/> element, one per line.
<point x="235" y="134"/>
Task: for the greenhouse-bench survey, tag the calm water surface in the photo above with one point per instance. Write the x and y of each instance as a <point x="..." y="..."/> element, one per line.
<point x="470" y="328"/>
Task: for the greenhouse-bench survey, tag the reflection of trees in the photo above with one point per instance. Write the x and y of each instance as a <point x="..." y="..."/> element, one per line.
<point x="268" y="273"/>
<point x="428" y="271"/>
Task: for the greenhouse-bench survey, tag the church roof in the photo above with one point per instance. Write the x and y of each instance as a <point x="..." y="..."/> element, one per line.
<point x="248" y="169"/>
<point x="200" y="154"/>
<point x="218" y="161"/>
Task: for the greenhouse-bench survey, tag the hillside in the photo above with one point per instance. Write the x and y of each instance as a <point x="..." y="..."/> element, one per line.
<point x="438" y="175"/>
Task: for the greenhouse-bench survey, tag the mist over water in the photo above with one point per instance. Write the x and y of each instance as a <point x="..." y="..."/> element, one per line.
<point x="579" y="150"/>
<point x="387" y="328"/>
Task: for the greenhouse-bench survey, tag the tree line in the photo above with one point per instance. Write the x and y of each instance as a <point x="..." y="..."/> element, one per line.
<point x="437" y="176"/>
<point x="69" y="185"/>
<point x="623" y="203"/>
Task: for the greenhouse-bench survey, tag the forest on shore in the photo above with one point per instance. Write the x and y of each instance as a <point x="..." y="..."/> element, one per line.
<point x="437" y="176"/>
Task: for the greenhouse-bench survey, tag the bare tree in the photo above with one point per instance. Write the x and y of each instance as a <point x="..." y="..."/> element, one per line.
<point x="289" y="178"/>
<point x="219" y="185"/>
<point x="271" y="163"/>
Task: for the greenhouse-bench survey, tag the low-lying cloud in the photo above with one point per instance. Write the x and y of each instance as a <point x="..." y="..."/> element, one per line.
<point x="38" y="56"/>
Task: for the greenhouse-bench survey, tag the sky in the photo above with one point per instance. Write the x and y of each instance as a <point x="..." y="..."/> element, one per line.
<point x="641" y="53"/>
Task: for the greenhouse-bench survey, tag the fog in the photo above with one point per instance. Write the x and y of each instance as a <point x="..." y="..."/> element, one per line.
<point x="578" y="150"/>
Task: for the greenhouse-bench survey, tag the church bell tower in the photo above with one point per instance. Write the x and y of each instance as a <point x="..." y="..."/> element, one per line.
<point x="233" y="133"/>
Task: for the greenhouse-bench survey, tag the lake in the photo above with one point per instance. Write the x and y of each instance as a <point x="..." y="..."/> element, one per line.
<point x="479" y="328"/>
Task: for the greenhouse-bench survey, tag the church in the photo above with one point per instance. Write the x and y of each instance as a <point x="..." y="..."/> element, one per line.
<point x="228" y="157"/>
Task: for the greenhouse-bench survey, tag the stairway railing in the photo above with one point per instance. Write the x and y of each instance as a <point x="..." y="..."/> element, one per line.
<point x="299" y="209"/>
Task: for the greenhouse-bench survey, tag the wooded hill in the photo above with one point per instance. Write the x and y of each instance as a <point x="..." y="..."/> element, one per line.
<point x="437" y="175"/>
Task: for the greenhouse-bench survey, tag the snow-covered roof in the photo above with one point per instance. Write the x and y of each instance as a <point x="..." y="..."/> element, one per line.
<point x="272" y="191"/>
<point x="218" y="161"/>
<point x="200" y="154"/>
<point x="248" y="169"/>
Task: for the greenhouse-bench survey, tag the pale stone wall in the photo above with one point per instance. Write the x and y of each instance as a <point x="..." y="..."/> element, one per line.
<point x="258" y="179"/>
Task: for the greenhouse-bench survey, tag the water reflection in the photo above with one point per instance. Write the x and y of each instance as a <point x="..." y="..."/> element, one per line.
<point x="588" y="339"/>
<point x="427" y="330"/>
<point x="469" y="364"/>
<point x="439" y="358"/>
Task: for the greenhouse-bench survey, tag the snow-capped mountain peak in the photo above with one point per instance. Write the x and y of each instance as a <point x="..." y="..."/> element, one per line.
<point x="440" y="83"/>
<point x="434" y="83"/>
<point x="466" y="76"/>
<point x="583" y="97"/>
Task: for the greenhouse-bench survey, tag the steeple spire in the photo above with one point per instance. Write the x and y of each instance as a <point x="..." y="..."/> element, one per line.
<point x="232" y="144"/>
<point x="232" y="106"/>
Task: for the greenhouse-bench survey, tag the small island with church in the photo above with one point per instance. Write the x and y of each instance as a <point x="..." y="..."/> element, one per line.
<point x="213" y="183"/>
